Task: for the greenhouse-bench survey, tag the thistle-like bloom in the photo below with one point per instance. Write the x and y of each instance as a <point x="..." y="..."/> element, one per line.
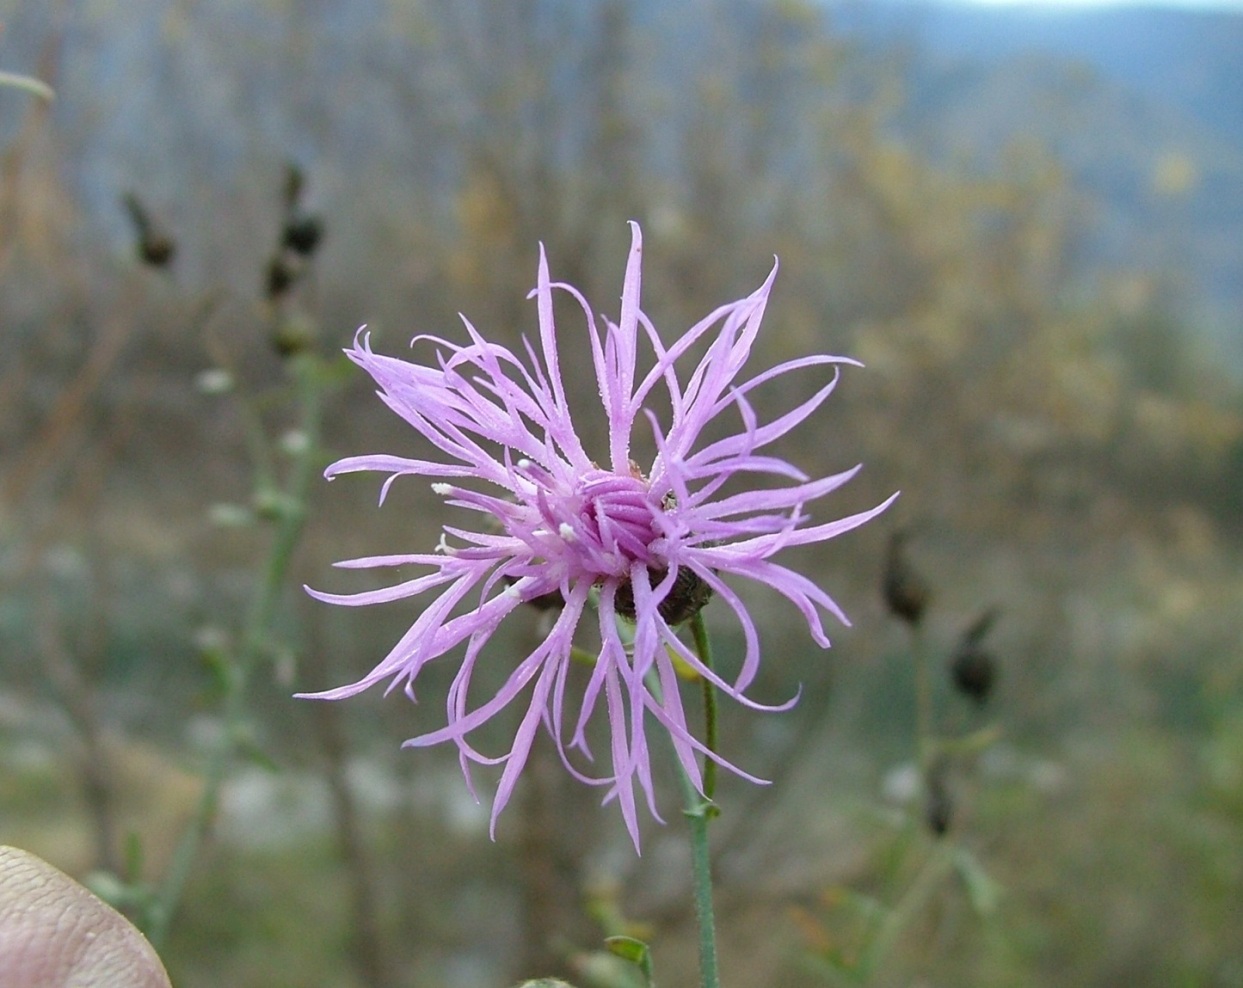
<point x="643" y="546"/>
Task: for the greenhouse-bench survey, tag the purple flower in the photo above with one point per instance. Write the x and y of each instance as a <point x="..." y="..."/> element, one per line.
<point x="590" y="533"/>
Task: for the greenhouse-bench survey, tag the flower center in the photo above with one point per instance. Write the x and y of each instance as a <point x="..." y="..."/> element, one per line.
<point x="614" y="521"/>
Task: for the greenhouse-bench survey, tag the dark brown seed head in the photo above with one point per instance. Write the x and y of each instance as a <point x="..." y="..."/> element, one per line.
<point x="905" y="590"/>
<point x="279" y="277"/>
<point x="974" y="672"/>
<point x="973" y="669"/>
<point x="157" y="251"/>
<point x="155" y="247"/>
<point x="302" y="234"/>
<point x="938" y="801"/>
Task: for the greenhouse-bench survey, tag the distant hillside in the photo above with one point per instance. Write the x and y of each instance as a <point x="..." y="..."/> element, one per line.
<point x="1144" y="105"/>
<point x="1188" y="59"/>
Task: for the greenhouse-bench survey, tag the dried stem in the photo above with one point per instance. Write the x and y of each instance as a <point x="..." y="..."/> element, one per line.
<point x="253" y="646"/>
<point x="93" y="764"/>
<point x="367" y="948"/>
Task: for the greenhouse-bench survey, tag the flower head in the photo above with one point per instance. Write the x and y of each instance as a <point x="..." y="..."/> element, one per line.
<point x="634" y="549"/>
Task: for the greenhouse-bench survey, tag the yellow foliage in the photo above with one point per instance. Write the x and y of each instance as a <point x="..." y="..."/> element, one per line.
<point x="1180" y="430"/>
<point x="1175" y="174"/>
<point x="488" y="226"/>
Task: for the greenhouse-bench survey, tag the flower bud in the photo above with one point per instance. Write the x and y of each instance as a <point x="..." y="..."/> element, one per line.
<point x="685" y="599"/>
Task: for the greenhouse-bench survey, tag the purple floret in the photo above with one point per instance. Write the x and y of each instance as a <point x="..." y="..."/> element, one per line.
<point x="630" y="542"/>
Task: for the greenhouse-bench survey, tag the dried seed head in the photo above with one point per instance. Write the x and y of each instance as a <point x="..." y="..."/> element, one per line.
<point x="280" y="276"/>
<point x="974" y="672"/>
<point x="302" y="233"/>
<point x="938" y="801"/>
<point x="906" y="591"/>
<point x="973" y="669"/>
<point x="157" y="251"/>
<point x="155" y="246"/>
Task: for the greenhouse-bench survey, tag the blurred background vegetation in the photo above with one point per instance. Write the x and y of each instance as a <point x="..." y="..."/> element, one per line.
<point x="1039" y="256"/>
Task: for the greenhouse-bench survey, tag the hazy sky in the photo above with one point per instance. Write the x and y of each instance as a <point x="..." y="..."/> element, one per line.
<point x="1236" y="5"/>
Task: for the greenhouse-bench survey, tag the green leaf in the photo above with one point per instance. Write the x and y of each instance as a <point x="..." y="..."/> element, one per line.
<point x="250" y="750"/>
<point x="134" y="857"/>
<point x="628" y="948"/>
<point x="983" y="892"/>
<point x="636" y="952"/>
<point x="970" y="744"/>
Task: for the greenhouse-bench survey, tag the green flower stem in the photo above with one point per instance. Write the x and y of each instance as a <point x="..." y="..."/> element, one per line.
<point x="703" y="648"/>
<point x="924" y="738"/>
<point x="698" y="811"/>
<point x="255" y="638"/>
